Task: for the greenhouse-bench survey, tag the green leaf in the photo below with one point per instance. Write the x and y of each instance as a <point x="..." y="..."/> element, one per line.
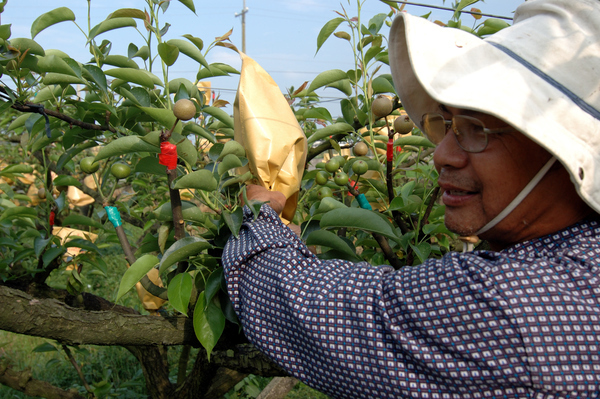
<point x="80" y="220"/>
<point x="39" y="244"/>
<point x="182" y="249"/>
<point x="417" y="141"/>
<point x="143" y="53"/>
<point x="72" y="152"/>
<point x="163" y="116"/>
<point x="45" y="347"/>
<point x="189" y="4"/>
<point x="64" y="180"/>
<point x="491" y="26"/>
<point x="185" y="148"/>
<point x="168" y="52"/>
<point x="23" y="44"/>
<point x="128" y="12"/>
<point x="180" y="291"/>
<point x="329" y="203"/>
<point x="462" y="5"/>
<point x="97" y="76"/>
<point x="209" y="323"/>
<point x="331" y="240"/>
<point x="193" y="127"/>
<point x="139" y="269"/>
<point x="214" y="70"/>
<point x="190" y="211"/>
<point x="12" y="169"/>
<point x="342" y="85"/>
<point x="326" y="78"/>
<point x="376" y="23"/>
<point x="219" y="114"/>
<point x="53" y="63"/>
<point x="422" y="250"/>
<point x="196" y="40"/>
<point x="357" y="218"/>
<point x="61" y="79"/>
<point x="52" y="254"/>
<point x="382" y="85"/>
<point x="18" y="212"/>
<point x="111" y="24"/>
<point x="336" y="128"/>
<point x="52" y="92"/>
<point x="318" y="113"/>
<point x="125" y="145"/>
<point x="120" y="61"/>
<point x="233" y="220"/>
<point x="18" y="122"/>
<point x="190" y="50"/>
<point x="50" y="18"/>
<point x="201" y="179"/>
<point x="237" y="179"/>
<point x="137" y="97"/>
<point x="5" y="31"/>
<point x="150" y="165"/>
<point x="229" y="162"/>
<point x="189" y="88"/>
<point x="327" y="30"/>
<point x="83" y="244"/>
<point x="407" y="189"/>
<point x="138" y="76"/>
<point x="213" y="284"/>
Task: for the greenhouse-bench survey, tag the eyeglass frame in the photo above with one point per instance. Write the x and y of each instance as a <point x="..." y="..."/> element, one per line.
<point x="449" y="124"/>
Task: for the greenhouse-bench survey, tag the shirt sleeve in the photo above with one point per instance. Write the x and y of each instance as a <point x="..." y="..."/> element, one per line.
<point x="356" y="330"/>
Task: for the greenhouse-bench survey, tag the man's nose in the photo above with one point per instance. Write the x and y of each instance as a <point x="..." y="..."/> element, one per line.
<point x="449" y="154"/>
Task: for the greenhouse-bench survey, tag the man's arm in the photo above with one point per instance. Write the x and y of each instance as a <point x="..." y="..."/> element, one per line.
<point x="354" y="330"/>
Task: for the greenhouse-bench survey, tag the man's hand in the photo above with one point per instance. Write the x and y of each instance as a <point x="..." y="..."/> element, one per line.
<point x="275" y="199"/>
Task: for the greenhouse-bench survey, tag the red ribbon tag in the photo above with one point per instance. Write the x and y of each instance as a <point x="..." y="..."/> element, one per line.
<point x="168" y="155"/>
<point x="390" y="150"/>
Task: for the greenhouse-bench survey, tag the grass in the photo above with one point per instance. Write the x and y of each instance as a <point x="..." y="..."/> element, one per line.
<point x="110" y="370"/>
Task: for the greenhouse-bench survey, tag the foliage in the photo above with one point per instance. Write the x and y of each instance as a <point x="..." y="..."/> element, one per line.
<point x="181" y="213"/>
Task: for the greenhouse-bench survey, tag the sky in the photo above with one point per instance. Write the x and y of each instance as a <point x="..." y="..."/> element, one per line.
<point x="281" y="35"/>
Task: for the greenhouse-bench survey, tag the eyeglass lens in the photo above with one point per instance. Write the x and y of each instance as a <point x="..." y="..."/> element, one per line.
<point x="469" y="132"/>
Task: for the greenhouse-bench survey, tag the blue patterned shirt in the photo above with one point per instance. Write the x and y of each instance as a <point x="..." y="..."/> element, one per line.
<point x="521" y="323"/>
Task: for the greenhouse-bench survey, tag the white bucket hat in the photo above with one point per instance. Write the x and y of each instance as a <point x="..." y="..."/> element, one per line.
<point x="541" y="75"/>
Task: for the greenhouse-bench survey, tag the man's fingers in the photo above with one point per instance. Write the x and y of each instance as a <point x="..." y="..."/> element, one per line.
<point x="275" y="199"/>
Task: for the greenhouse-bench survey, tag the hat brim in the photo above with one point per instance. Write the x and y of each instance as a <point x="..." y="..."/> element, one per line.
<point x="433" y="65"/>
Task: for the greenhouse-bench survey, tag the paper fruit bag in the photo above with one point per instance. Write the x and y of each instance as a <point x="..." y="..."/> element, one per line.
<point x="267" y="128"/>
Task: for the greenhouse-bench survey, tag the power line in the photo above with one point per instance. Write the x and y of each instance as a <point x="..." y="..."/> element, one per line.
<point x="446" y="9"/>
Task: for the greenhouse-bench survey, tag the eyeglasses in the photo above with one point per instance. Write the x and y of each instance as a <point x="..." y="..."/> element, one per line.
<point x="470" y="133"/>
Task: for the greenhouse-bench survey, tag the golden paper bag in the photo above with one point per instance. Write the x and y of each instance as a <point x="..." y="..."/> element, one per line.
<point x="267" y="128"/>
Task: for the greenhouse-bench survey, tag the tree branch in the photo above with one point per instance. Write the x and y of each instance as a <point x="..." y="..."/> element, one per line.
<point x="49" y="318"/>
<point x="71" y="121"/>
<point x="23" y="381"/>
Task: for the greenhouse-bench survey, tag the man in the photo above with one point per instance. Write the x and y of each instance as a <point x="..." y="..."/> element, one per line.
<point x="516" y="120"/>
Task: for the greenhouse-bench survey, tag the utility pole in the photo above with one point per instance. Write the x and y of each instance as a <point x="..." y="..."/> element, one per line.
<point x="243" y="14"/>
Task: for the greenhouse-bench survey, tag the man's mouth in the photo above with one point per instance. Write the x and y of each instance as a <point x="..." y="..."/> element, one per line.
<point x="457" y="196"/>
<point x="459" y="192"/>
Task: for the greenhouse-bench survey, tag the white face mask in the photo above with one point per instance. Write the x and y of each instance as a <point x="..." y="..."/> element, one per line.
<point x="520" y="197"/>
